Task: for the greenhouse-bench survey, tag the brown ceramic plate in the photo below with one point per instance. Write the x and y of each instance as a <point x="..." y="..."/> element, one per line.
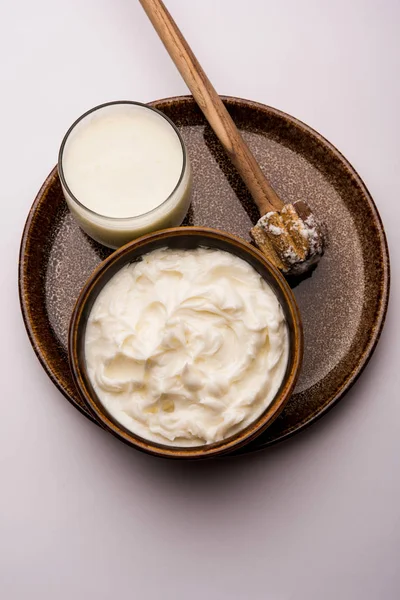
<point x="343" y="304"/>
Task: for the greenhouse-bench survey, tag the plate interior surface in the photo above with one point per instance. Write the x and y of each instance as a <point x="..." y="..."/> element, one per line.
<point x="343" y="303"/>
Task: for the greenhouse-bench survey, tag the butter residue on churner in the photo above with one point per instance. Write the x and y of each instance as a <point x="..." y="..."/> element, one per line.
<point x="186" y="347"/>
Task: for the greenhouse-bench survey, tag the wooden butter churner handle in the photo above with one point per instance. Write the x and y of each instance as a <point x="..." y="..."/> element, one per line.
<point x="212" y="106"/>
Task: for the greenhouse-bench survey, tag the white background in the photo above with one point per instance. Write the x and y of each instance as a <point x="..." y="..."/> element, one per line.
<point x="81" y="515"/>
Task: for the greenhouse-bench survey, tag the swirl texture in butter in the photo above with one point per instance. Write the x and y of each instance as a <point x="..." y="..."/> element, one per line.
<point x="186" y="347"/>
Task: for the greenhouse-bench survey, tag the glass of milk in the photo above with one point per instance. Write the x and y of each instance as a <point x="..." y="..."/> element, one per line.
<point x="124" y="172"/>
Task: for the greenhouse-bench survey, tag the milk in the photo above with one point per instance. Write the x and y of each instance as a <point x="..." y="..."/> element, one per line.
<point x="124" y="172"/>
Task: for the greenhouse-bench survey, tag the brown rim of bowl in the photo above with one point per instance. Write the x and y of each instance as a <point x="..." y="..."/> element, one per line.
<point x="237" y="440"/>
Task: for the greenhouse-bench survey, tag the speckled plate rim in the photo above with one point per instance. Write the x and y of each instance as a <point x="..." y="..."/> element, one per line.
<point x="376" y="330"/>
<point x="22" y="290"/>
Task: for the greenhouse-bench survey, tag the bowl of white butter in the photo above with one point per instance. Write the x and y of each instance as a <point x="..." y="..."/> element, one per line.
<point x="186" y="343"/>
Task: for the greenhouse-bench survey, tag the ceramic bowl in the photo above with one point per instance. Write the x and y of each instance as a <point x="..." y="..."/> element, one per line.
<point x="187" y="238"/>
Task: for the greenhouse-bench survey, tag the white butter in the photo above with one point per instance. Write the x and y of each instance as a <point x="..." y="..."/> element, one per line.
<point x="186" y="347"/>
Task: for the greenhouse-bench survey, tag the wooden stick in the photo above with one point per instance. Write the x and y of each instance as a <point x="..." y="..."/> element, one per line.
<point x="212" y="106"/>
